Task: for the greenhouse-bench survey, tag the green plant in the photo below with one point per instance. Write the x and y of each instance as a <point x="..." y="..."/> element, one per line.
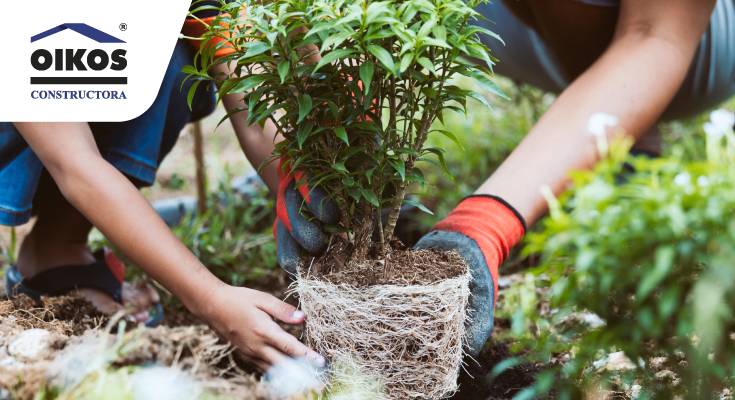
<point x="233" y="238"/>
<point x="176" y="182"/>
<point x="486" y="140"/>
<point x="357" y="84"/>
<point x="650" y="253"/>
<point x="9" y="252"/>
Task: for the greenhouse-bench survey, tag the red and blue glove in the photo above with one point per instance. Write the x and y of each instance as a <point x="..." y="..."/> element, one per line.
<point x="292" y="231"/>
<point x="482" y="229"/>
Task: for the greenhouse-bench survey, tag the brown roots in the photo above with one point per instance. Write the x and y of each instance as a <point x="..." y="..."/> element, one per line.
<point x="407" y="336"/>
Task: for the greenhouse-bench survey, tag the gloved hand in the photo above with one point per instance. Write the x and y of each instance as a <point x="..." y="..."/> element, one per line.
<point x="482" y="229"/>
<point x="292" y="231"/>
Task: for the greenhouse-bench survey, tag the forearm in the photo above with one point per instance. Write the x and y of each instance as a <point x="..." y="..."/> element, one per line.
<point x="629" y="81"/>
<point x="115" y="206"/>
<point x="256" y="143"/>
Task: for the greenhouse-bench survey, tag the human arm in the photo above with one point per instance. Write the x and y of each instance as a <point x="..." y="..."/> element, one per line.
<point x="629" y="80"/>
<point x="108" y="200"/>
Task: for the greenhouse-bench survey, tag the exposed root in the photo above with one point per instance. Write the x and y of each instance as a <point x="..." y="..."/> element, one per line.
<point x="409" y="337"/>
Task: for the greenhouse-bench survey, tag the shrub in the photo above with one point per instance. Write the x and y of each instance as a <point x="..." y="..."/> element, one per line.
<point x="358" y="85"/>
<point x="650" y="252"/>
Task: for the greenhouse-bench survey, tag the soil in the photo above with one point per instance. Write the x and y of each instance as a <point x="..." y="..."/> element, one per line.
<point x="474" y="383"/>
<point x="73" y="317"/>
<point x="67" y="315"/>
<point x="401" y="266"/>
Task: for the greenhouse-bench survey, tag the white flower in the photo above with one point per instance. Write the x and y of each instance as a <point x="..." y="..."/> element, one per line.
<point x="722" y="119"/>
<point x="598" y="123"/>
<point x="711" y="130"/>
<point x="703" y="180"/>
<point x="720" y="122"/>
<point x="682" y="179"/>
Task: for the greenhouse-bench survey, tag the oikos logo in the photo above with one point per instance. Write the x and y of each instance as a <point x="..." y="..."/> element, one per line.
<point x="75" y="64"/>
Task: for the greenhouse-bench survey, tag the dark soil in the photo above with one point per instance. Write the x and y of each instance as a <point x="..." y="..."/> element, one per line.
<point x="401" y="266"/>
<point x="474" y="382"/>
<point x="79" y="312"/>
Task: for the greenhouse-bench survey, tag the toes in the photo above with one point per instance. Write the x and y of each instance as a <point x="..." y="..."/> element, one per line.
<point x="140" y="298"/>
<point x="101" y="300"/>
<point x="152" y="294"/>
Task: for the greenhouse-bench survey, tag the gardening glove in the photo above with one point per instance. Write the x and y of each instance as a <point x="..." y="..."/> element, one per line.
<point x="482" y="229"/>
<point x="292" y="231"/>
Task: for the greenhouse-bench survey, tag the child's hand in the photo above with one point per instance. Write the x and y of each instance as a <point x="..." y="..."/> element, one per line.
<point x="245" y="318"/>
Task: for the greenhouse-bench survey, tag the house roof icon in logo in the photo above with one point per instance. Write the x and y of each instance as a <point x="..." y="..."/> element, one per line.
<point x="84" y="29"/>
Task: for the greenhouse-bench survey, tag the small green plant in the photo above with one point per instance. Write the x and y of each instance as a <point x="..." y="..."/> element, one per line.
<point x="649" y="252"/>
<point x="9" y="252"/>
<point x="354" y="87"/>
<point x="176" y="182"/>
<point x="233" y="238"/>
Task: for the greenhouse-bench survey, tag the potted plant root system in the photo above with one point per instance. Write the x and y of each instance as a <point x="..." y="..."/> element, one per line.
<point x="354" y="87"/>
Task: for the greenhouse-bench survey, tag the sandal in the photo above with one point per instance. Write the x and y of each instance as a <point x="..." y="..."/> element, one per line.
<point x="106" y="274"/>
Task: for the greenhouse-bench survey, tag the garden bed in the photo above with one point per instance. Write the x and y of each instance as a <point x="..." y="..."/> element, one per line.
<point x="75" y="332"/>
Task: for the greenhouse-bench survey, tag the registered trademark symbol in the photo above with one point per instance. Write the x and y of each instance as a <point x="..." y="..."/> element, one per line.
<point x="123" y="27"/>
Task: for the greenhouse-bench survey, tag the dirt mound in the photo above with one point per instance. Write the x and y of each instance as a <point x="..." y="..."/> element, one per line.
<point x="65" y="315"/>
<point x="64" y="343"/>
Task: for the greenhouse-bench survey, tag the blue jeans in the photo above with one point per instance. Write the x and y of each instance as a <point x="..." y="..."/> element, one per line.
<point x="136" y="147"/>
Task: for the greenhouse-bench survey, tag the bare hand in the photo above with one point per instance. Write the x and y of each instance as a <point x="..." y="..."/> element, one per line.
<point x="244" y="317"/>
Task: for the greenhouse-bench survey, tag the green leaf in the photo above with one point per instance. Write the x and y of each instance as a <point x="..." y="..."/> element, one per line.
<point x="227" y="85"/>
<point x="304" y="101"/>
<point x="256" y="49"/>
<point x="480" y="98"/>
<point x="440" y="32"/>
<point x="304" y="131"/>
<point x="349" y="181"/>
<point x="406" y="150"/>
<point x="336" y="40"/>
<point x="416" y="175"/>
<point x="192" y="90"/>
<point x="440" y="154"/>
<point x="504" y="365"/>
<point x="426" y="63"/>
<point x="333" y="55"/>
<point x="283" y="70"/>
<point x="406" y="62"/>
<point x="450" y="135"/>
<point x="366" y="74"/>
<point x="664" y="262"/>
<point x="339" y="166"/>
<point x="426" y="27"/>
<point x="370" y="196"/>
<point x="417" y="204"/>
<point x="399" y="166"/>
<point x="355" y="193"/>
<point x="342" y="134"/>
<point x="487" y="84"/>
<point x="369" y="173"/>
<point x="383" y="56"/>
<point x="335" y="228"/>
<point x="250" y="83"/>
